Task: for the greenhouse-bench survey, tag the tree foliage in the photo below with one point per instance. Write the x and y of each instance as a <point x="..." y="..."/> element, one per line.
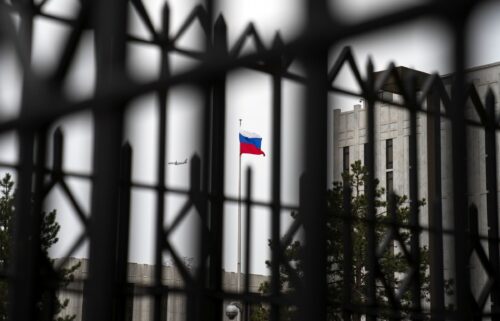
<point x="49" y="230"/>
<point x="393" y="263"/>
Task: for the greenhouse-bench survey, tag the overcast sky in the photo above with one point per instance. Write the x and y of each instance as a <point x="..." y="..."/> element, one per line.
<point x="422" y="44"/>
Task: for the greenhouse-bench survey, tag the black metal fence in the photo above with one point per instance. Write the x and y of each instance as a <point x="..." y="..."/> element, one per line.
<point x="107" y="226"/>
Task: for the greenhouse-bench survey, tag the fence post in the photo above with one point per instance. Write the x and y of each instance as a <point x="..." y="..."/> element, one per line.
<point x="109" y="19"/>
<point x="195" y="295"/>
<point x="347" y="227"/>
<point x="472" y="245"/>
<point x="314" y="291"/>
<point x="123" y="234"/>
<point x="248" y="240"/>
<point x="414" y="208"/>
<point x="371" y="260"/>
<point x="276" y="179"/>
<point x="161" y="172"/>
<point x="24" y="283"/>
<point x="459" y="154"/>
<point x="204" y="271"/>
<point x="492" y="202"/>
<point x="435" y="215"/>
<point x="217" y="169"/>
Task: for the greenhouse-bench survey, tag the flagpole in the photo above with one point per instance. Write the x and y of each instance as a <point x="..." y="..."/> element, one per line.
<point x="238" y="274"/>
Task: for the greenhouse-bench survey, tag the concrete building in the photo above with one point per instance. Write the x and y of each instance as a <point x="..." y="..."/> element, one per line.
<point x="140" y="308"/>
<point x="392" y="130"/>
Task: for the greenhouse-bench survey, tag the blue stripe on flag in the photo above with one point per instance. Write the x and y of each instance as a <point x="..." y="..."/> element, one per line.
<point x="254" y="141"/>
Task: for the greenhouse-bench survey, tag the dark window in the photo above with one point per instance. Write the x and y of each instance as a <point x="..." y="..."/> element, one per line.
<point x="345" y="166"/>
<point x="388" y="154"/>
<point x="389" y="181"/>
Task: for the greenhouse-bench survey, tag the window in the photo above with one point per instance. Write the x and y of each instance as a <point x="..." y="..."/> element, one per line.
<point x="389" y="175"/>
<point x="345" y="167"/>
<point x="388" y="154"/>
<point x="389" y="181"/>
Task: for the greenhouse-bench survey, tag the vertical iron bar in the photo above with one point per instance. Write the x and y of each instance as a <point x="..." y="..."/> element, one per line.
<point x="49" y="297"/>
<point x="58" y="144"/>
<point x="492" y="202"/>
<point x="205" y="237"/>
<point x="473" y="230"/>
<point x="370" y="195"/>
<point x="194" y="295"/>
<point x="217" y="169"/>
<point x="123" y="232"/>
<point x="25" y="287"/>
<point x="314" y="257"/>
<point x="435" y="214"/>
<point x="414" y="211"/>
<point x="276" y="179"/>
<point x="248" y="240"/>
<point x="37" y="209"/>
<point x="459" y="154"/>
<point x="348" y="278"/>
<point x="110" y="21"/>
<point x="204" y="240"/>
<point x="395" y="313"/>
<point x="159" y="295"/>
<point x="26" y="222"/>
<point x="203" y="304"/>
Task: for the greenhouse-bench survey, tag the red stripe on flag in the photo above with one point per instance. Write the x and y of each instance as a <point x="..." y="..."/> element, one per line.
<point x="250" y="149"/>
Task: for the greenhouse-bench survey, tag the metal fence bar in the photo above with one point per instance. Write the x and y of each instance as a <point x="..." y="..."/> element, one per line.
<point x="161" y="171"/>
<point x="110" y="62"/>
<point x="276" y="180"/>
<point x="196" y="296"/>
<point x="348" y="276"/>
<point x="435" y="216"/>
<point x="248" y="240"/>
<point x="220" y="51"/>
<point x="193" y="288"/>
<point x="314" y="289"/>
<point x="24" y="284"/>
<point x="459" y="174"/>
<point x="492" y="201"/>
<point x="370" y="196"/>
<point x="121" y="278"/>
<point x="414" y="202"/>
<point x="205" y="237"/>
<point x="395" y="305"/>
<point x="204" y="270"/>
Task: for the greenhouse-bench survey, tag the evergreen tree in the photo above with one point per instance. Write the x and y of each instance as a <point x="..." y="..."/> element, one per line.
<point x="393" y="263"/>
<point x="48" y="237"/>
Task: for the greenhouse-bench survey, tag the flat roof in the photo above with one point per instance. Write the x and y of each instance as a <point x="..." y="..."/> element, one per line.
<point x="403" y="72"/>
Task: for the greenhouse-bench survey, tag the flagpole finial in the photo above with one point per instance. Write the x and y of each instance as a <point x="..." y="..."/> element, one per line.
<point x="240" y="121"/>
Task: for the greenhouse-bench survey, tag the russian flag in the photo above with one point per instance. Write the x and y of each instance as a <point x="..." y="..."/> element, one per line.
<point x="250" y="143"/>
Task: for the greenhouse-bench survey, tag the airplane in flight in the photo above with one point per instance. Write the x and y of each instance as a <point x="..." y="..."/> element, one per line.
<point x="178" y="163"/>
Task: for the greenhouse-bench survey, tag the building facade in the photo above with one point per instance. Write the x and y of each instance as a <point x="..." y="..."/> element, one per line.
<point x="392" y="130"/>
<point x="140" y="307"/>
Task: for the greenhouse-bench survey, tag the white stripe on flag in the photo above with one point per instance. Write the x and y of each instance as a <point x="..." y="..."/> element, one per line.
<point x="250" y="134"/>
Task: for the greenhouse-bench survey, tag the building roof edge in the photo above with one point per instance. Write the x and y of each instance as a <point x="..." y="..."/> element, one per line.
<point x="471" y="69"/>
